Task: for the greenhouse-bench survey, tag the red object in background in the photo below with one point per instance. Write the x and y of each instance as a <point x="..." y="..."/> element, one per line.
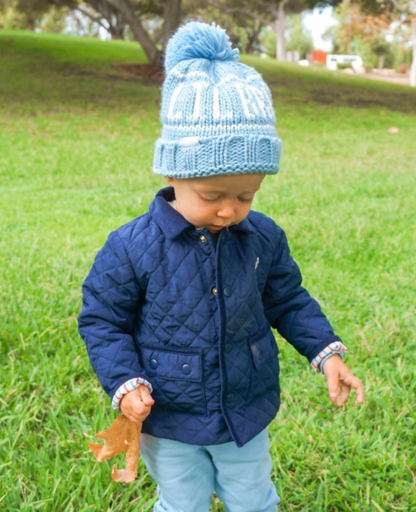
<point x="319" y="56"/>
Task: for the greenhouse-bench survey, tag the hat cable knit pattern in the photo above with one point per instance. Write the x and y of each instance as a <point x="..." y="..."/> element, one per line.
<point x="217" y="114"/>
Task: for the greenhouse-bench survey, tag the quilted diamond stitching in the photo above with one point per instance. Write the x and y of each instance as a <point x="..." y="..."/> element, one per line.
<point x="138" y="258"/>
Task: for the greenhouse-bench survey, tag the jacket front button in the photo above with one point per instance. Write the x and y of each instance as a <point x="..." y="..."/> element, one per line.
<point x="203" y="238"/>
<point x="230" y="397"/>
<point x="228" y="347"/>
<point x="153" y="363"/>
<point x="227" y="291"/>
<point x="186" y="369"/>
<point x="214" y="291"/>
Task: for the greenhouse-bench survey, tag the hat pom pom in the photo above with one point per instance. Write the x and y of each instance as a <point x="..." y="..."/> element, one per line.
<point x="197" y="40"/>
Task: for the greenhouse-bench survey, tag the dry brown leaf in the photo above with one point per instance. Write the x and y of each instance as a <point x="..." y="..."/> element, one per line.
<point x="122" y="436"/>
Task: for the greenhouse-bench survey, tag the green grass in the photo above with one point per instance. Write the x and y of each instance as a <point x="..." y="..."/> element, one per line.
<point x="76" y="149"/>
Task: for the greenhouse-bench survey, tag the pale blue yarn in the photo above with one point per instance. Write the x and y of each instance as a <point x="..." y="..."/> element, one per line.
<point x="197" y="40"/>
<point x="235" y="134"/>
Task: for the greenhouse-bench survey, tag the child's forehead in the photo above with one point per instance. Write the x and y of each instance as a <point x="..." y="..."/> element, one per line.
<point x="223" y="183"/>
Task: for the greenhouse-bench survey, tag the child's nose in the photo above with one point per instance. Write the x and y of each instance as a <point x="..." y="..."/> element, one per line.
<point x="226" y="212"/>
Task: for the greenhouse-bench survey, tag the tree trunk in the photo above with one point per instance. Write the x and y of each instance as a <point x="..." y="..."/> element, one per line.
<point x="280" y="32"/>
<point x="30" y="22"/>
<point x="413" y="68"/>
<point x="116" y="31"/>
<point x="380" y="62"/>
<point x="139" y="33"/>
<point x="253" y="37"/>
<point x="115" y="20"/>
<point x="172" y="19"/>
<point x="77" y="21"/>
<point x="117" y="28"/>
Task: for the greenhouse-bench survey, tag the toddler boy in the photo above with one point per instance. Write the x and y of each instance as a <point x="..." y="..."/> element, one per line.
<point x="179" y="304"/>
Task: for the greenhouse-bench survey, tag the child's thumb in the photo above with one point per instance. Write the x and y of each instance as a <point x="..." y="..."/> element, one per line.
<point x="145" y="395"/>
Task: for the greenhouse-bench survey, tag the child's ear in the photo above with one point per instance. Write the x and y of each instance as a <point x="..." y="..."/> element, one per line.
<point x="170" y="180"/>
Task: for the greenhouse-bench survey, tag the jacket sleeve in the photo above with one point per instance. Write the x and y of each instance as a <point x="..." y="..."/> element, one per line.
<point x="288" y="306"/>
<point x="336" y="347"/>
<point x="125" y="388"/>
<point x="111" y="297"/>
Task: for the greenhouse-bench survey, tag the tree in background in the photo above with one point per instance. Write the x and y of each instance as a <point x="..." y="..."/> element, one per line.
<point x="100" y="13"/>
<point x="119" y="15"/>
<point x="271" y="13"/>
<point x="381" y="48"/>
<point x="54" y="20"/>
<point x="10" y="15"/>
<point x="401" y="11"/>
<point x="297" y="37"/>
<point x="355" y="29"/>
<point x="22" y="14"/>
<point x="243" y="19"/>
<point x="401" y="46"/>
<point x="243" y="29"/>
<point x="114" y="15"/>
<point x="132" y="16"/>
<point x="132" y="11"/>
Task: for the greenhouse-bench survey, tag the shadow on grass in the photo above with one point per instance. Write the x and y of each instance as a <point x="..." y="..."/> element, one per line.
<point x="49" y="74"/>
<point x="296" y="90"/>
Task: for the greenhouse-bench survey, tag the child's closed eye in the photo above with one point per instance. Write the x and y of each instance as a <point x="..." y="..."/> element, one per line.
<point x="210" y="200"/>
<point x="242" y="199"/>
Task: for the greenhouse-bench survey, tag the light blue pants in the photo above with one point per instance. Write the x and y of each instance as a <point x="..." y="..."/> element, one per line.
<point x="186" y="474"/>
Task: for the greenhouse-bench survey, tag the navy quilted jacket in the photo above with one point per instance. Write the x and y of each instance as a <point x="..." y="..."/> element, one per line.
<point x="192" y="315"/>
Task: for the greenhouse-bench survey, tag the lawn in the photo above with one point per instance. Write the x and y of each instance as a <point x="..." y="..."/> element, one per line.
<point x="76" y="150"/>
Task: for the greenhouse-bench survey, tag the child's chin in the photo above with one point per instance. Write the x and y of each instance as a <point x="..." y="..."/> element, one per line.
<point x="215" y="231"/>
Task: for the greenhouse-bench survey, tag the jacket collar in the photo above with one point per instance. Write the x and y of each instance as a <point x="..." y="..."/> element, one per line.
<point x="172" y="223"/>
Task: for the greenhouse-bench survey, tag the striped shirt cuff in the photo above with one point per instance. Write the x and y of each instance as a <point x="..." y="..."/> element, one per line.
<point x="336" y="347"/>
<point x="125" y="388"/>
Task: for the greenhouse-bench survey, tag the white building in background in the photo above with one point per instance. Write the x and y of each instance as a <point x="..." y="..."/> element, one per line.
<point x="356" y="62"/>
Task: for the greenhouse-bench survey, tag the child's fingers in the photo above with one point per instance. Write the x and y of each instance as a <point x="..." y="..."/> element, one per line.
<point x="359" y="388"/>
<point x="354" y="382"/>
<point x="136" y="408"/>
<point x="146" y="396"/>
<point x="134" y="418"/>
<point x="345" y="393"/>
<point x="333" y="385"/>
<point x="137" y="403"/>
<point x="127" y="408"/>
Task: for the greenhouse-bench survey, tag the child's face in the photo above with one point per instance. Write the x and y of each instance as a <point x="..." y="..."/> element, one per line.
<point x="215" y="202"/>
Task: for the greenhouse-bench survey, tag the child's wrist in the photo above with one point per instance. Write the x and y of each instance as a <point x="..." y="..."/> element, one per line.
<point x="336" y="347"/>
<point x="125" y="388"/>
<point x="333" y="358"/>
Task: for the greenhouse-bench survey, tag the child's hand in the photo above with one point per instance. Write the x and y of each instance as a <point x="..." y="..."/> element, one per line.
<point x="340" y="378"/>
<point x="137" y="404"/>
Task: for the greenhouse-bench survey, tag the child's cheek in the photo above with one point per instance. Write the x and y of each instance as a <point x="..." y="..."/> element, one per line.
<point x="202" y="210"/>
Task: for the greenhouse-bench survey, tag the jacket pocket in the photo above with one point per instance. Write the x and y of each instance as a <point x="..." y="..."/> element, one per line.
<point x="265" y="363"/>
<point x="176" y="377"/>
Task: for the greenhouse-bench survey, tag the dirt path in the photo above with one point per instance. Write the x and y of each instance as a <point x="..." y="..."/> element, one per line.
<point x="395" y="78"/>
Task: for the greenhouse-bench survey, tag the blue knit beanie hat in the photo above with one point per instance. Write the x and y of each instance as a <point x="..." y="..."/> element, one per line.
<point x="217" y="113"/>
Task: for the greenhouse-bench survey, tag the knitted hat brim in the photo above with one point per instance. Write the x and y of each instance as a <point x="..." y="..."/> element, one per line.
<point x="228" y="154"/>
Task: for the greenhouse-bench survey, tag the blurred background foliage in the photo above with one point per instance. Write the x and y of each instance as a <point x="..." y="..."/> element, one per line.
<point x="380" y="31"/>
